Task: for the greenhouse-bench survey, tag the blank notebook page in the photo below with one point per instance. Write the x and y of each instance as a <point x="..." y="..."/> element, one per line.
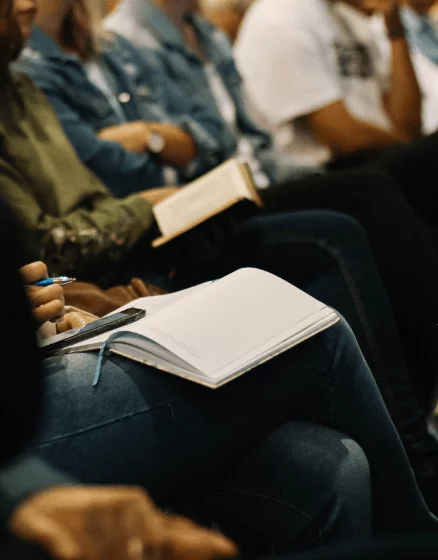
<point x="231" y="319"/>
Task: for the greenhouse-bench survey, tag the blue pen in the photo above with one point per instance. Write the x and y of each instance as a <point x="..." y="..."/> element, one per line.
<point x="60" y="280"/>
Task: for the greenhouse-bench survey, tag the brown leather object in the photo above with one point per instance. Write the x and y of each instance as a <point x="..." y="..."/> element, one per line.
<point x="90" y="297"/>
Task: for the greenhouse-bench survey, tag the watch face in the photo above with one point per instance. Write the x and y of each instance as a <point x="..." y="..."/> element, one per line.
<point x="156" y="143"/>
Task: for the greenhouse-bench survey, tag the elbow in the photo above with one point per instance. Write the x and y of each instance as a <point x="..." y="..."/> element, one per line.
<point x="349" y="144"/>
<point x="412" y="129"/>
<point x="191" y="152"/>
<point x="408" y="124"/>
<point x="345" y="141"/>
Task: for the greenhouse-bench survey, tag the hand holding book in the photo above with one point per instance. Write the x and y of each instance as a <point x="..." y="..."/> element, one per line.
<point x="209" y="196"/>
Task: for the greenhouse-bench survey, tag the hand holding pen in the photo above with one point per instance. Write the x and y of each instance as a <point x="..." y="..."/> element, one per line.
<point x="45" y="295"/>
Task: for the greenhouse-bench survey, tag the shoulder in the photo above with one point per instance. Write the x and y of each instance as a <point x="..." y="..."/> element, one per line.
<point x="130" y="28"/>
<point x="283" y="22"/>
<point x="295" y="11"/>
<point x="23" y="82"/>
<point x="215" y="36"/>
<point x="27" y="89"/>
<point x="281" y="25"/>
<point x="42" y="71"/>
<point x="133" y="57"/>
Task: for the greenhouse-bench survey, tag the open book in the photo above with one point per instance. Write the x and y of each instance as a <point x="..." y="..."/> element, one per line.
<point x="217" y="331"/>
<point x="202" y="199"/>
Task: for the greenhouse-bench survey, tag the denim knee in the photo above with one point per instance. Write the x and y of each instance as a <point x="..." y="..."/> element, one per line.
<point x="349" y="510"/>
<point x="341" y="504"/>
<point x="304" y="485"/>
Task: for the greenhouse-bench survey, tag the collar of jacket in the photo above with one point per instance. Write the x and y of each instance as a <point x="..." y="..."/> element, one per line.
<point x="413" y="21"/>
<point x="162" y="27"/>
<point x="41" y="45"/>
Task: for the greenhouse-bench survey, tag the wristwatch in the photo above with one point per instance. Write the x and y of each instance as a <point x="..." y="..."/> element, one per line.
<point x="155" y="142"/>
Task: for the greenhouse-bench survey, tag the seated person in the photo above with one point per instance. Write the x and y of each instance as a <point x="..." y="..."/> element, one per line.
<point x="46" y="507"/>
<point x="280" y="442"/>
<point x="396" y="234"/>
<point x="43" y="506"/>
<point x="81" y="230"/>
<point x="128" y="124"/>
<point x="137" y="106"/>
<point x="318" y="81"/>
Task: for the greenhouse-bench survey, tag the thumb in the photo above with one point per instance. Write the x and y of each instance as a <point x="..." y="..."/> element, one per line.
<point x="65" y="323"/>
<point x="53" y="538"/>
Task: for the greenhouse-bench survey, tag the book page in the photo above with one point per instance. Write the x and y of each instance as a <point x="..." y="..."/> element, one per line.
<point x="151" y="305"/>
<point x="231" y="320"/>
<point x="221" y="328"/>
<point x="202" y="198"/>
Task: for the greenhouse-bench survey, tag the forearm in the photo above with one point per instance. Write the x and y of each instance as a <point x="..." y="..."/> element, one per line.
<point x="131" y="136"/>
<point x="359" y="136"/>
<point x="85" y="240"/>
<point x="179" y="151"/>
<point x="180" y="148"/>
<point x="403" y="101"/>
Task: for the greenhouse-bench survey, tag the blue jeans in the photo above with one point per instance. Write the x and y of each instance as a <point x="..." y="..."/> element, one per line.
<point x="327" y="255"/>
<point x="264" y="456"/>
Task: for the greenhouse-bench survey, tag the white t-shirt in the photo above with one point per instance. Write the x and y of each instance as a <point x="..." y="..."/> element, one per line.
<point x="298" y="56"/>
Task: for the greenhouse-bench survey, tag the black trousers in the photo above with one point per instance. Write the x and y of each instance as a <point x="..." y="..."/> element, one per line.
<point x="402" y="240"/>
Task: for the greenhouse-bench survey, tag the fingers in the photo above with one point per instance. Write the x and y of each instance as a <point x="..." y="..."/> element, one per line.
<point x="119" y="532"/>
<point x="98" y="523"/>
<point x="41" y="296"/>
<point x="73" y="320"/>
<point x="188" y="541"/>
<point x="33" y="272"/>
<point x="47" y="303"/>
<point x="48" y="312"/>
<point x="153" y="196"/>
<point x="48" y="535"/>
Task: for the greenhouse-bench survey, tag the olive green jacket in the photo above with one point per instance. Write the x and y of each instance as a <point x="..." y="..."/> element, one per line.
<point x="76" y="222"/>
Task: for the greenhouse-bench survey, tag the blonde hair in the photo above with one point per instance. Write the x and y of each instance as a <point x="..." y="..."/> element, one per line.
<point x="82" y="31"/>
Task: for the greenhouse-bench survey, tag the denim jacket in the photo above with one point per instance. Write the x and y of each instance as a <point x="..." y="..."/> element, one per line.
<point x="422" y="33"/>
<point x="141" y="22"/>
<point x="84" y="109"/>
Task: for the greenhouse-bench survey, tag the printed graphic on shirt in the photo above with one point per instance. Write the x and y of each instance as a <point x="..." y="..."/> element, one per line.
<point x="354" y="60"/>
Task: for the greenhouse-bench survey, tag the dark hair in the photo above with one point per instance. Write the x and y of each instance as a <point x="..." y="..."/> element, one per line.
<point x="11" y="40"/>
<point x="78" y="31"/>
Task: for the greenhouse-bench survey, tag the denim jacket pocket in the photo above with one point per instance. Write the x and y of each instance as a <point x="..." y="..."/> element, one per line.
<point x="95" y="109"/>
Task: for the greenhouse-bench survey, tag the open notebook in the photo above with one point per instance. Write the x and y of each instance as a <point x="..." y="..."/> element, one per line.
<point x="213" y="193"/>
<point x="217" y="331"/>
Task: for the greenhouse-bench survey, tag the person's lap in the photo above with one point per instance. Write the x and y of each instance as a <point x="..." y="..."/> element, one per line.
<point x="327" y="255"/>
<point x="146" y="427"/>
<point x="404" y="248"/>
<point x="173" y="433"/>
<point x="233" y="453"/>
